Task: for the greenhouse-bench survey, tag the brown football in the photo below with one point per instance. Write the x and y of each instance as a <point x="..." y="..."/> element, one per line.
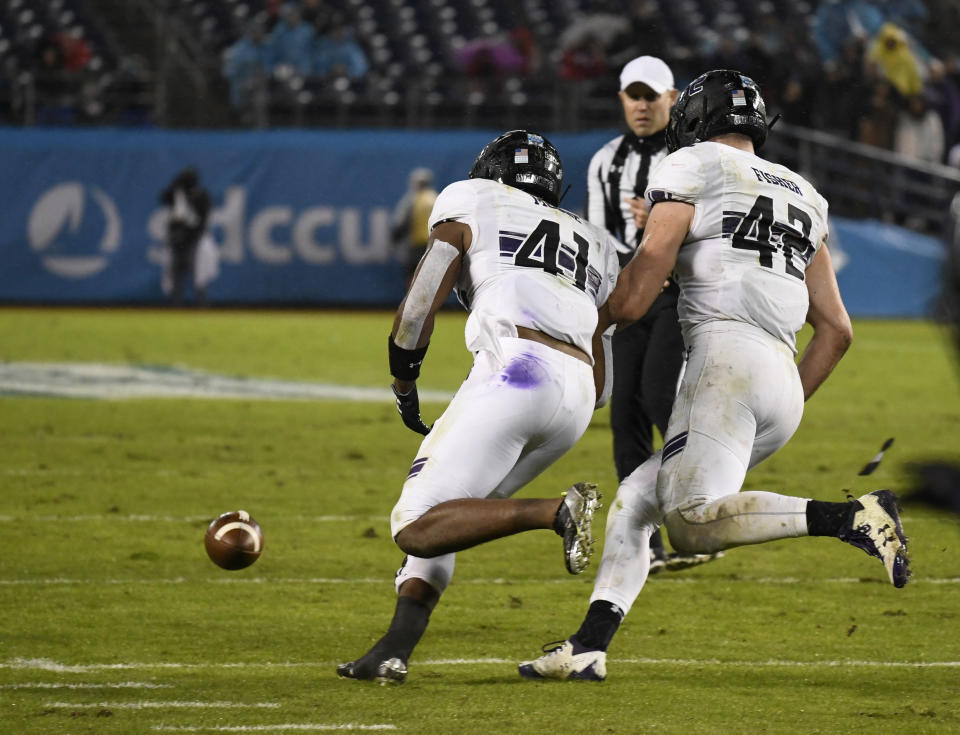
<point x="234" y="540"/>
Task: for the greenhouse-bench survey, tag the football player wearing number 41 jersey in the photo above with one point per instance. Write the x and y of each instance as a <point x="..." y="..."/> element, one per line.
<point x="532" y="277"/>
<point x="745" y="239"/>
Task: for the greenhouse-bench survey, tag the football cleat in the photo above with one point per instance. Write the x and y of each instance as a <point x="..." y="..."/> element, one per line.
<point x="566" y="660"/>
<point x="573" y="522"/>
<point x="874" y="526"/>
<point x="676" y="561"/>
<point x="389" y="671"/>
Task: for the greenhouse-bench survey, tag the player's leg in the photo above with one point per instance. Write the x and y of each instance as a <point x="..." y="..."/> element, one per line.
<point x="420" y="583"/>
<point x="517" y="445"/>
<point x="510" y="422"/>
<point x="636" y="510"/>
<point x="748" y="379"/>
<point x="631" y="421"/>
<point x="740" y="401"/>
<point x="662" y="367"/>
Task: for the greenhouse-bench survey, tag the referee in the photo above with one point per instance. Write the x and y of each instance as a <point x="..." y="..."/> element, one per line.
<point x="647" y="355"/>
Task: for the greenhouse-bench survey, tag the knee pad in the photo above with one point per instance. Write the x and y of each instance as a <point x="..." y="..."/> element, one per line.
<point x="687" y="530"/>
<point x="437" y="572"/>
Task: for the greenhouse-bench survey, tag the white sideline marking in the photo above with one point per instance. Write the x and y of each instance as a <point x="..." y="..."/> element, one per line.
<point x="106" y="685"/>
<point x="119" y="382"/>
<point x="163" y="705"/>
<point x="47" y="665"/>
<point x="58" y="581"/>
<point x="272" y="728"/>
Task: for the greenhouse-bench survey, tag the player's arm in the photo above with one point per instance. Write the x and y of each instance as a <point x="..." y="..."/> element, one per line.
<point x="432" y="283"/>
<point x="832" y="330"/>
<point x="643" y="278"/>
<point x="603" y="357"/>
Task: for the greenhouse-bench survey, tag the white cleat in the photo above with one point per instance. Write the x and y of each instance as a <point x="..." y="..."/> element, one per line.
<point x="874" y="526"/>
<point x="574" y="521"/>
<point x="566" y="661"/>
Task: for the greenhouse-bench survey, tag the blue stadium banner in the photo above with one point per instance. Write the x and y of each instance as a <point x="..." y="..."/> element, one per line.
<point x="299" y="217"/>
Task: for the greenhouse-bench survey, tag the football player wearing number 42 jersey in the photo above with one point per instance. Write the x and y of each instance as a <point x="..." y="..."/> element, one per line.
<point x="532" y="277"/>
<point x="745" y="239"/>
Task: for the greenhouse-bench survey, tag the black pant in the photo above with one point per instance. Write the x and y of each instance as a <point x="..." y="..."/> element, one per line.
<point x="183" y="255"/>
<point x="647" y="357"/>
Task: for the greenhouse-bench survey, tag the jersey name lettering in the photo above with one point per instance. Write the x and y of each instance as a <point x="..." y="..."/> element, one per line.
<point x="771" y="179"/>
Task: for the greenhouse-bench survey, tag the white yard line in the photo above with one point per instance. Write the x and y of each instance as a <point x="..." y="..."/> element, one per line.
<point x="105" y="685"/>
<point x="121" y="382"/>
<point x="174" y="704"/>
<point x="298" y="726"/>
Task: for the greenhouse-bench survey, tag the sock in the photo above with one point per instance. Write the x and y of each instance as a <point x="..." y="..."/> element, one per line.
<point x="407" y="627"/>
<point x="826" y="519"/>
<point x="561" y="519"/>
<point x="656" y="545"/>
<point x="599" y="626"/>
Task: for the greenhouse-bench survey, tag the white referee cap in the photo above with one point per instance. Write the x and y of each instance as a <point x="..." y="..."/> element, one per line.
<point x="647" y="70"/>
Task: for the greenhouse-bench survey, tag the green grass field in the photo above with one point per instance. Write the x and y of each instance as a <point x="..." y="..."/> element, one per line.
<point x="112" y="619"/>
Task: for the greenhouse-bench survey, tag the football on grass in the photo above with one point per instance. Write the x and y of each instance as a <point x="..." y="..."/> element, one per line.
<point x="234" y="540"/>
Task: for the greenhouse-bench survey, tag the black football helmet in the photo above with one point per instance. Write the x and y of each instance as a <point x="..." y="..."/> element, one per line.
<point x="525" y="160"/>
<point x="720" y="101"/>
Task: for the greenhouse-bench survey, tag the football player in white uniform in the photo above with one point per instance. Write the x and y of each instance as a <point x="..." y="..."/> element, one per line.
<point x="532" y="277"/>
<point x="745" y="239"/>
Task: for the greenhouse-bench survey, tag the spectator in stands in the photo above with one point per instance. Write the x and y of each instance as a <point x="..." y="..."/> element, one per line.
<point x="794" y="104"/>
<point x="487" y="61"/>
<point x="604" y="27"/>
<point x="76" y="50"/>
<point x="129" y="91"/>
<point x="585" y="59"/>
<point x="408" y="226"/>
<point x="728" y="52"/>
<point x="919" y="132"/>
<point x="842" y="92"/>
<point x="292" y="43"/>
<point x="835" y="22"/>
<point x="879" y="121"/>
<point x="337" y="53"/>
<point x="911" y="15"/>
<point x="189" y="206"/>
<point x="944" y="96"/>
<point x="246" y="64"/>
<point x="312" y="12"/>
<point x="891" y="55"/>
<point x="648" y="34"/>
<point x="272" y="13"/>
<point x="50" y="84"/>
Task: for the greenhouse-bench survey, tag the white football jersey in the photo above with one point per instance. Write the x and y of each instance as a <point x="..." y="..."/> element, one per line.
<point x="529" y="264"/>
<point x="756" y="228"/>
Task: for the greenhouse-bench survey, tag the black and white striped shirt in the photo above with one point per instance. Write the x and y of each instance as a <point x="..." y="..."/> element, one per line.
<point x="624" y="163"/>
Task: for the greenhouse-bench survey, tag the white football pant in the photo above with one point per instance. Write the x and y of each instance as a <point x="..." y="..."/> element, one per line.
<point x="507" y="423"/>
<point x="739" y="402"/>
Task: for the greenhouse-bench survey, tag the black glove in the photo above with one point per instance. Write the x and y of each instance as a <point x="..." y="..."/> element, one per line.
<point x="408" y="404"/>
